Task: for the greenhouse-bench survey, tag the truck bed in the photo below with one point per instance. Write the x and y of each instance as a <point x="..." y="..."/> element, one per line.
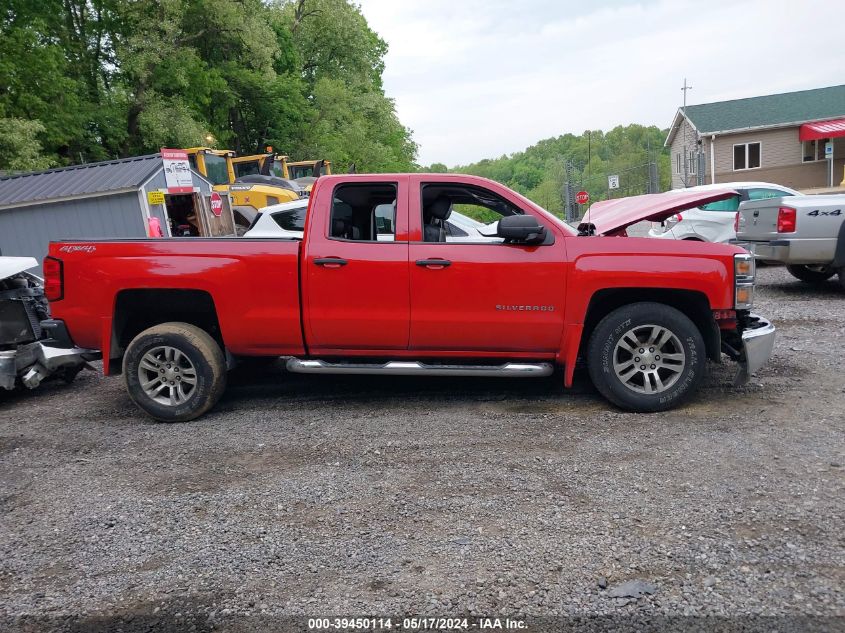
<point x="263" y="317"/>
<point x="813" y="235"/>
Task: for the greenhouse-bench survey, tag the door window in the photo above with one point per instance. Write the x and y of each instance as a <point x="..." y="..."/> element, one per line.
<point x="439" y="201"/>
<point x="365" y="213"/>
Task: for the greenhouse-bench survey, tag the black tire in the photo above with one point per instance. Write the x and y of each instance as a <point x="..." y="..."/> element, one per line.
<point x="810" y="274"/>
<point x="201" y="359"/>
<point x="842" y="277"/>
<point x="681" y="380"/>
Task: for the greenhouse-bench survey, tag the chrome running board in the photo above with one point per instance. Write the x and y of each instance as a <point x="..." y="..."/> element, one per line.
<point x="414" y="368"/>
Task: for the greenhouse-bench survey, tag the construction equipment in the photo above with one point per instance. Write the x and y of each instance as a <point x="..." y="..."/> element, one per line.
<point x="303" y="172"/>
<point x="247" y="180"/>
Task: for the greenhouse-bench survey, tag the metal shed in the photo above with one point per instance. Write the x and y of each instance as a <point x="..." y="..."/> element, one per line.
<point x="111" y="199"/>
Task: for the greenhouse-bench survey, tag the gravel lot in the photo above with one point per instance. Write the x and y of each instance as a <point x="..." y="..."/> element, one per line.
<point x="354" y="496"/>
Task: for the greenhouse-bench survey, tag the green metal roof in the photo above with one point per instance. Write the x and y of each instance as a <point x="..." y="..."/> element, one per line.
<point x="818" y="104"/>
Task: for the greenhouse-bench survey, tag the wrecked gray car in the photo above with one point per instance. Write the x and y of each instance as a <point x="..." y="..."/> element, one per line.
<point x="27" y="355"/>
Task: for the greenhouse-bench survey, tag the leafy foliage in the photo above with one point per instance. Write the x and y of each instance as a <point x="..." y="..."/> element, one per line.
<point x="19" y="146"/>
<point x="100" y="79"/>
<point x="539" y="172"/>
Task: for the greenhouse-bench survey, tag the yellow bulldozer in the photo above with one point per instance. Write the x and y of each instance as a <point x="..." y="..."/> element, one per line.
<point x="250" y="181"/>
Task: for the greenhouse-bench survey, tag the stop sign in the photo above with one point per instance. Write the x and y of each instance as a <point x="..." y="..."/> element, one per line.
<point x="582" y="197"/>
<point x="216" y="204"/>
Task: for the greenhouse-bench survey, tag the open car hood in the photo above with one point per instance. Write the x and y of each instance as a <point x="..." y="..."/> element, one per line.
<point x="612" y="217"/>
<point x="10" y="266"/>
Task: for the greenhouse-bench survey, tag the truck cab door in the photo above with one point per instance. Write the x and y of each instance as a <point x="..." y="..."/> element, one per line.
<point x="355" y="267"/>
<point x="481" y="295"/>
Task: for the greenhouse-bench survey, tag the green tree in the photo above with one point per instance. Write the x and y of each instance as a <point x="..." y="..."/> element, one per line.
<point x="539" y="171"/>
<point x="109" y="78"/>
<point x="20" y="149"/>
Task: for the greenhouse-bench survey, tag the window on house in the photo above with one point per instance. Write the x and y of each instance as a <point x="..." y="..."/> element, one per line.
<point x="693" y="163"/>
<point x="746" y="156"/>
<point x="812" y="151"/>
<point x="678" y="166"/>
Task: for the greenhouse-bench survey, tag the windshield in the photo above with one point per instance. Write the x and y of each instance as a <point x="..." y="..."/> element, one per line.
<point x="215" y="166"/>
<point x="247" y="168"/>
<point x="300" y="171"/>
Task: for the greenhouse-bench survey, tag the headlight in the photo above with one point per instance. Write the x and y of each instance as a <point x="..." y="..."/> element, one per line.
<point x="743" y="281"/>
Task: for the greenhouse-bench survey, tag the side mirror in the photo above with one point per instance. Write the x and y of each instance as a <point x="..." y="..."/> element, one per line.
<point x="521" y="228"/>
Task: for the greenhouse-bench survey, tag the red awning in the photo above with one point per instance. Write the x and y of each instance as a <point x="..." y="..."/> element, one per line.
<point x="822" y="129"/>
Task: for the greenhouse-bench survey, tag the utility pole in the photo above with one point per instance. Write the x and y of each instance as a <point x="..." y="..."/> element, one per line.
<point x="570" y="207"/>
<point x="685" y="160"/>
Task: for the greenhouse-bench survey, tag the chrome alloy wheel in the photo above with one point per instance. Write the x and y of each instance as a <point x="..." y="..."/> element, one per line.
<point x="167" y="375"/>
<point x="649" y="359"/>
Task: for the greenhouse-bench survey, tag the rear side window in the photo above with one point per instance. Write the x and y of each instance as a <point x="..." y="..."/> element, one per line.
<point x="364" y="212"/>
<point x="728" y="204"/>
<point x="291" y="220"/>
<point x="765" y="194"/>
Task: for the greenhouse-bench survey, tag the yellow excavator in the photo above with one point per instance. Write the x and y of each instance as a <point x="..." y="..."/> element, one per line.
<point x="303" y="172"/>
<point x="249" y="181"/>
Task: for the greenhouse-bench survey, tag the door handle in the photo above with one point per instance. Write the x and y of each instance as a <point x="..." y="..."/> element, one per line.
<point x="434" y="264"/>
<point x="330" y="262"/>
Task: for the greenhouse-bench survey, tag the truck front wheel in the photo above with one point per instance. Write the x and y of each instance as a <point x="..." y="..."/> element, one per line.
<point x="646" y="357"/>
<point x="810" y="274"/>
<point x="175" y="372"/>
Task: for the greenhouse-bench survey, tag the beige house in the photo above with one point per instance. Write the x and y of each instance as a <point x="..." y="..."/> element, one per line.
<point x="775" y="138"/>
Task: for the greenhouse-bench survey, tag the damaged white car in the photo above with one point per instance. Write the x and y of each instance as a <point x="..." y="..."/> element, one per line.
<point x="27" y="354"/>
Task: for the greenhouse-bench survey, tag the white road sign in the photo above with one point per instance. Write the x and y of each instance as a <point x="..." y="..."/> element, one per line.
<point x="177" y="171"/>
<point x="613" y="182"/>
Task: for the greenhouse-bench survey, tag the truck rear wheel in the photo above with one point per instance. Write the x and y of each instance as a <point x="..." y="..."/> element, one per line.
<point x="646" y="357"/>
<point x="175" y="372"/>
<point x="810" y="274"/>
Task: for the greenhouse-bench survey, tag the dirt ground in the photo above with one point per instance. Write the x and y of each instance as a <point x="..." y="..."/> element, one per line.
<point x="317" y="496"/>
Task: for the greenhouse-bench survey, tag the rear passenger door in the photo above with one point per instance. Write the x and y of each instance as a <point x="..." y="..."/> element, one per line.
<point x="355" y="271"/>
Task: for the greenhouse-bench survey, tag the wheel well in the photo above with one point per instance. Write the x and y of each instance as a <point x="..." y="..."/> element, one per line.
<point x="137" y="310"/>
<point x="692" y="239"/>
<point x="693" y="304"/>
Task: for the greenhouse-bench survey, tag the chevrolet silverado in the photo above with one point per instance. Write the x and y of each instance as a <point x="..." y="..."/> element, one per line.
<point x="172" y="315"/>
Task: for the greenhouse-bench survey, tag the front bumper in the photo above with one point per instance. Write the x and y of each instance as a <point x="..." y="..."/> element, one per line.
<point x="757" y="344"/>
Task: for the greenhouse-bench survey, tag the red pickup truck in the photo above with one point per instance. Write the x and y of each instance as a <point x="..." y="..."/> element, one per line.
<point x="374" y="286"/>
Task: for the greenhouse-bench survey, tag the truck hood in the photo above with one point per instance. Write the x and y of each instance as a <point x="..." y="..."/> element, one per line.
<point x="10" y="266"/>
<point x="612" y="217"/>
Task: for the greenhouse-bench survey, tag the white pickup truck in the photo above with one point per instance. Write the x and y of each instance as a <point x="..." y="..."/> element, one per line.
<point x="807" y="233"/>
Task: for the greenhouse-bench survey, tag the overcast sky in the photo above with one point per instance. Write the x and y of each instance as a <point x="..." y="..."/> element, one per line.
<point x="480" y="78"/>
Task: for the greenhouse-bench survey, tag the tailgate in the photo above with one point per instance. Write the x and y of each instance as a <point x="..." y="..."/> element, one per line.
<point x="758" y="220"/>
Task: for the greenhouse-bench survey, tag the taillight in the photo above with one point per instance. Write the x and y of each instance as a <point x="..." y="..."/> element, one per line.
<point x="786" y="220"/>
<point x="53" y="281"/>
<point x="736" y="222"/>
<point x="672" y="220"/>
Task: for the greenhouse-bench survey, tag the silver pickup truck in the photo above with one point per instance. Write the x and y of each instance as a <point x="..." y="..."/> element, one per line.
<point x="807" y="233"/>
